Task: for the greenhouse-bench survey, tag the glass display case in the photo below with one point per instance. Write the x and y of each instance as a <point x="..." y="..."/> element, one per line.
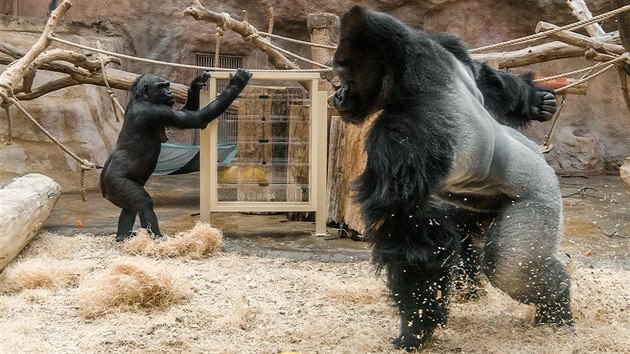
<point x="267" y="152"/>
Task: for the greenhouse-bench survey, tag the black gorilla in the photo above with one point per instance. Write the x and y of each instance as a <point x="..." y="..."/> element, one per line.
<point x="137" y="149"/>
<point x="439" y="167"/>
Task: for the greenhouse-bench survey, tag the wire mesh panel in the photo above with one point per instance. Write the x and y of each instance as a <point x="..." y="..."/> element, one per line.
<point x="227" y="127"/>
<point x="277" y="160"/>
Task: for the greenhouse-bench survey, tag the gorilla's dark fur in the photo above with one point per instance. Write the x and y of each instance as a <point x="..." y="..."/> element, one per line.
<point x="137" y="149"/>
<point x="440" y="167"/>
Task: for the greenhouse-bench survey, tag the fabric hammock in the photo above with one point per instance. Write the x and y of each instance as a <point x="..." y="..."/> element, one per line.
<point x="178" y="159"/>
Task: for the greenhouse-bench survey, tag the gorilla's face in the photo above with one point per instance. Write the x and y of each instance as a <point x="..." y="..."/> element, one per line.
<point x="155" y="90"/>
<point x="358" y="66"/>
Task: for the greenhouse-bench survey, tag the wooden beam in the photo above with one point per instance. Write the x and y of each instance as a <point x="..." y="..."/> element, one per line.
<point x="579" y="40"/>
<point x="531" y="55"/>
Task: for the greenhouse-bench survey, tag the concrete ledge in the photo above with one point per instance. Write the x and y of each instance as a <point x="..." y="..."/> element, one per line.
<point x="25" y="204"/>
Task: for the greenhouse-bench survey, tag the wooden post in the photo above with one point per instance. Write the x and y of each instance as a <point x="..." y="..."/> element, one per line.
<point x="324" y="29"/>
<point x="25" y="204"/>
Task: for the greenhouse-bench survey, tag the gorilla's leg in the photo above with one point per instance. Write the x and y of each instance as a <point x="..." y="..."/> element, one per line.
<point x="125" y="224"/>
<point x="134" y="200"/>
<point x="519" y="258"/>
<point x="417" y="255"/>
<point x="148" y="219"/>
<point x="472" y="227"/>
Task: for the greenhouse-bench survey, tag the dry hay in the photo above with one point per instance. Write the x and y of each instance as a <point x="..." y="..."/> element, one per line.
<point x="44" y="272"/>
<point x="195" y="243"/>
<point x="245" y="304"/>
<point x="126" y="286"/>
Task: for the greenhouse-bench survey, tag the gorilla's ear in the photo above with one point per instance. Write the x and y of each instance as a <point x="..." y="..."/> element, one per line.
<point x="140" y="87"/>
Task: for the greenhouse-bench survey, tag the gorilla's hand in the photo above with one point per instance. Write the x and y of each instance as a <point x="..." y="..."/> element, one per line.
<point x="240" y="78"/>
<point x="200" y="80"/>
<point x="542" y="105"/>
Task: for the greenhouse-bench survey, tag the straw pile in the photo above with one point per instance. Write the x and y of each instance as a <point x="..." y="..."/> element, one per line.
<point x="127" y="286"/>
<point x="200" y="241"/>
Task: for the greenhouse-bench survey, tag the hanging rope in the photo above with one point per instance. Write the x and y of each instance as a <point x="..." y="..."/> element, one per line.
<point x="112" y="96"/>
<point x="544" y="34"/>
<point x="52" y="37"/>
<point x="85" y="164"/>
<point x="217" y="48"/>
<point x="547" y="146"/>
<point x="9" y="124"/>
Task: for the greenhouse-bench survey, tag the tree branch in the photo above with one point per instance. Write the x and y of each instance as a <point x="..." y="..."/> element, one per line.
<point x="532" y="55"/>
<point x="579" y="40"/>
<point x="18" y="70"/>
<point x="247" y="31"/>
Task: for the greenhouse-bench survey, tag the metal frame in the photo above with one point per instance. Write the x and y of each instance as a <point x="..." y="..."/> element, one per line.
<point x="208" y="182"/>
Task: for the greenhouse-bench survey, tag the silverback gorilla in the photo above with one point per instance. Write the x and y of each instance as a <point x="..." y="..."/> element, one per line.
<point x="440" y="167"/>
<point x="137" y="149"/>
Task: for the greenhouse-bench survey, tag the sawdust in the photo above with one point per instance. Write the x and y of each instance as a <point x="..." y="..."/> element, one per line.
<point x="230" y="303"/>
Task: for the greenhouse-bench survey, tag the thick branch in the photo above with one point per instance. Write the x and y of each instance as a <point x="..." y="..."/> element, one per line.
<point x="17" y="70"/>
<point x="532" y="55"/>
<point x="581" y="11"/>
<point x="579" y="40"/>
<point x="276" y="58"/>
<point x="81" y="70"/>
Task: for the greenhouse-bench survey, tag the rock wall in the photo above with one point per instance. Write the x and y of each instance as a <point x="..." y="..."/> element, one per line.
<point x="591" y="136"/>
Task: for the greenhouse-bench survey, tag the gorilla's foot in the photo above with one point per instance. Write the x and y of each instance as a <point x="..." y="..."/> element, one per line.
<point x="411" y="342"/>
<point x="558" y="314"/>
<point x="125" y="236"/>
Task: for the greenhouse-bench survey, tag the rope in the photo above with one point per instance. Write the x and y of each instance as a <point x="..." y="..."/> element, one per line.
<point x="85" y="164"/>
<point x="9" y="124"/>
<point x="587" y="77"/>
<point x="291" y="40"/>
<point x="177" y="65"/>
<point x="112" y="95"/>
<point x="540" y="35"/>
<point x="217" y="49"/>
<point x="570" y="73"/>
<point x="324" y="67"/>
<point x="547" y="146"/>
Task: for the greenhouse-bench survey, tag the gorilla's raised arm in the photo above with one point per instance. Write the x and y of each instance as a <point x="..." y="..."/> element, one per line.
<point x="192" y="100"/>
<point x="201" y="118"/>
<point x="513" y="100"/>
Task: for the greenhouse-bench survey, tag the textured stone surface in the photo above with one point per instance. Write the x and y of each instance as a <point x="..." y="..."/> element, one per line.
<point x="591" y="136"/>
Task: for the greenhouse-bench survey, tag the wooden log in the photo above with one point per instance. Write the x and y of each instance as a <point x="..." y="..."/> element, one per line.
<point x="324" y="29"/>
<point x="581" y="12"/>
<point x="25" y="204"/>
<point x="531" y="55"/>
<point x="579" y="40"/>
<point x="624" y="174"/>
